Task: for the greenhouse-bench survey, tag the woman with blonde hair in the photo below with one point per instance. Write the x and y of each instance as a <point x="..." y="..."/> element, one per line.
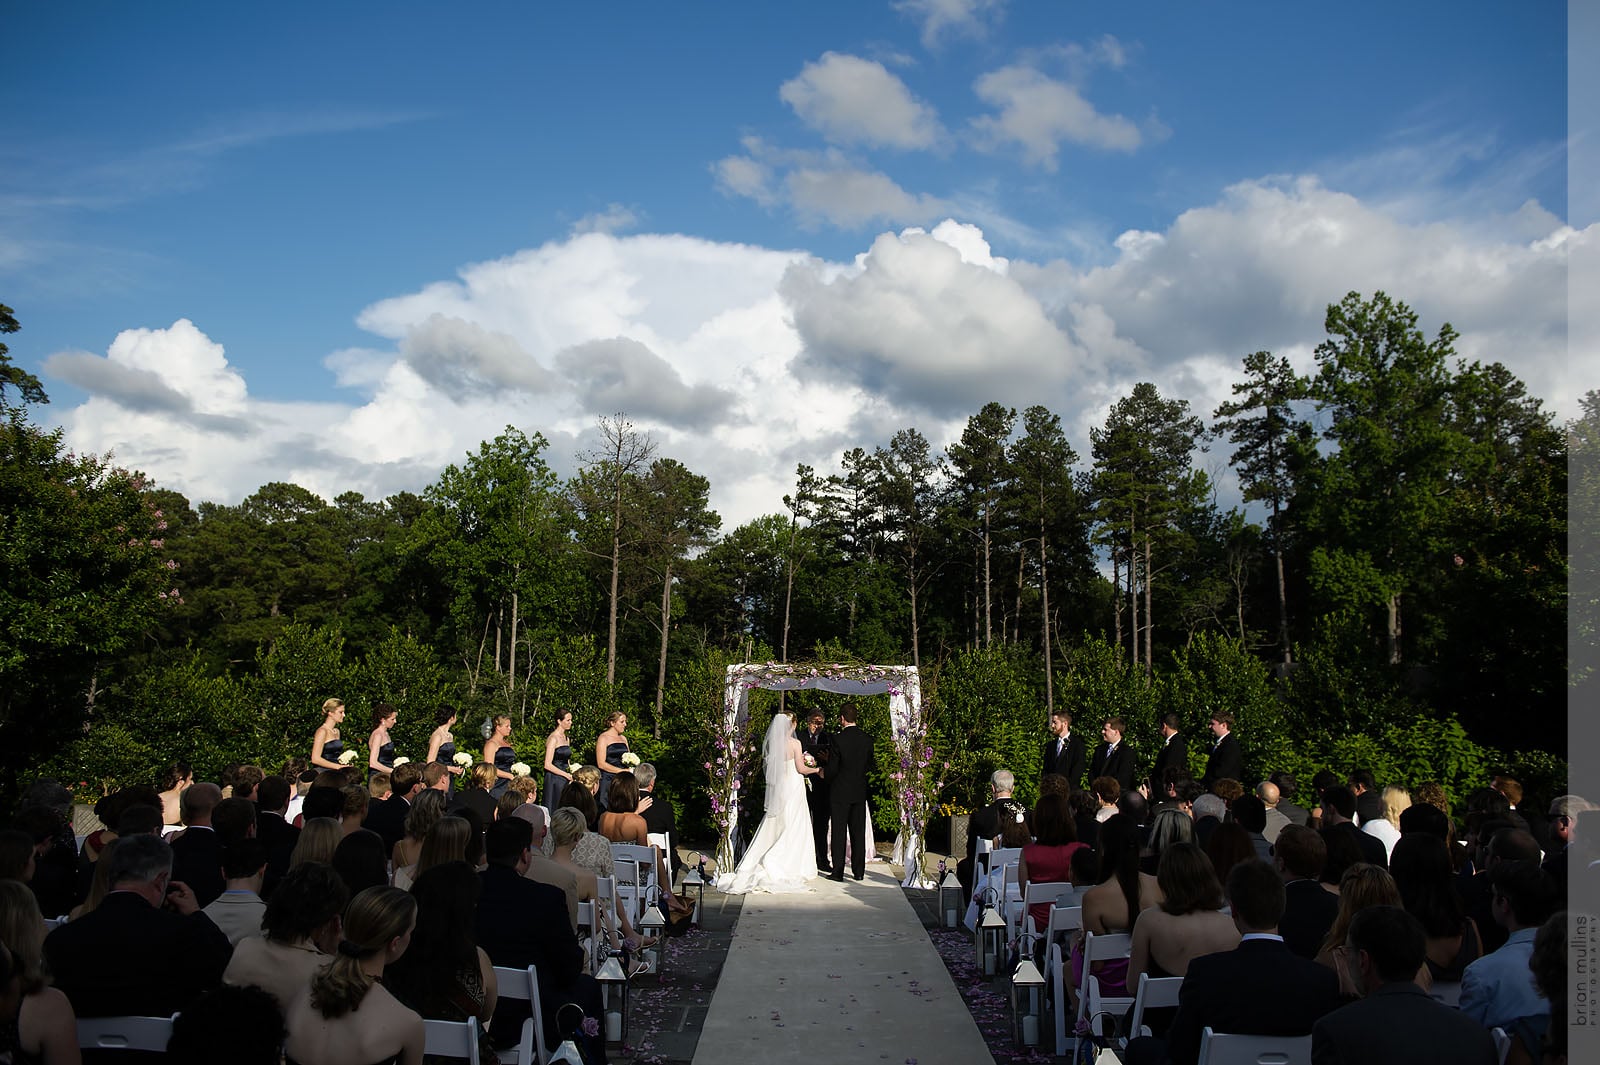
<point x="44" y="1028"/>
<point x="318" y="840"/>
<point x="326" y="746"/>
<point x="1361" y="886"/>
<point x="498" y="752"/>
<point x="346" y="1015"/>
<point x="1396" y="801"/>
<point x="426" y="810"/>
<point x="609" y="748"/>
<point x="476" y="795"/>
<point x="567" y="831"/>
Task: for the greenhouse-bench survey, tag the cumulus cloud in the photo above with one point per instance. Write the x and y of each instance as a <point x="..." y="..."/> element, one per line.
<point x="741" y="175"/>
<point x="849" y="198"/>
<point x="1038" y="113"/>
<point x="939" y="18"/>
<point x="620" y="374"/>
<point x="850" y="100"/>
<point x="742" y="360"/>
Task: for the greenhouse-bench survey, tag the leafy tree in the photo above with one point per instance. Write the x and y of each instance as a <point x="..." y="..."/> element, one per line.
<point x="987" y="718"/>
<point x="1047" y="507"/>
<point x="29" y="390"/>
<point x="678" y="521"/>
<point x="610" y="475"/>
<point x="1263" y="424"/>
<point x="911" y="480"/>
<point x="982" y="475"/>
<point x="1379" y="511"/>
<point x="300" y="669"/>
<point x="407" y="675"/>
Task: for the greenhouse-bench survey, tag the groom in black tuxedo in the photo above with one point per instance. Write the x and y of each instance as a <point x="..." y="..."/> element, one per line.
<point x="846" y="773"/>
<point x="818" y="743"/>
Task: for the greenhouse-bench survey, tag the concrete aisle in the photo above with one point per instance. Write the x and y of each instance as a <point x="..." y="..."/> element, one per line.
<point x="845" y="973"/>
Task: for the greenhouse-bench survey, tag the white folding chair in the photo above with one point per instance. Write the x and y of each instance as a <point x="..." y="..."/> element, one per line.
<point x="637" y="882"/>
<point x="124" y="1033"/>
<point x="1091" y="1003"/>
<point x="1502" y="1044"/>
<point x="1153" y="993"/>
<point x="662" y="841"/>
<point x="451" y="1039"/>
<point x="1036" y="895"/>
<point x="523" y="985"/>
<point x="1221" y="1048"/>
<point x="1062" y="919"/>
<point x="605" y="908"/>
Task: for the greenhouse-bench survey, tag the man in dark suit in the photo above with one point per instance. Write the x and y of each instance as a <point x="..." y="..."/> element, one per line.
<point x="817" y="742"/>
<point x="1174" y="754"/>
<point x="1287" y="789"/>
<point x="197" y="850"/>
<point x="273" y="829"/>
<point x="1309" y="911"/>
<point x="1063" y="755"/>
<point x="522" y="922"/>
<point x="1258" y="988"/>
<point x="1369" y="800"/>
<point x="1112" y="758"/>
<point x="388" y="818"/>
<point x="1338" y="807"/>
<point x="147" y="950"/>
<point x="848" y="762"/>
<point x="1226" y="760"/>
<point x="987" y="822"/>
<point x="1395" y="1023"/>
<point x="659" y="818"/>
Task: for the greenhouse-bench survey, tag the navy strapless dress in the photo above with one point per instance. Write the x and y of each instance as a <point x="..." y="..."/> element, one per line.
<point x="555" y="783"/>
<point x="447" y="753"/>
<point x="332" y="750"/>
<point x="502" y="761"/>
<point x="614" y="753"/>
<point x="385" y="759"/>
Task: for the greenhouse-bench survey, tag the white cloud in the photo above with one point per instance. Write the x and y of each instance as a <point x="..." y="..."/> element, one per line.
<point x="850" y="100"/>
<point x="740" y="175"/>
<point x="850" y="198"/>
<point x="968" y="18"/>
<point x="616" y="218"/>
<point x="1038" y="114"/>
<point x="743" y="360"/>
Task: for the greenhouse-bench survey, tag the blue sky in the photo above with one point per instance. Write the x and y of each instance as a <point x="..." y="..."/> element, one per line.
<point x="340" y="243"/>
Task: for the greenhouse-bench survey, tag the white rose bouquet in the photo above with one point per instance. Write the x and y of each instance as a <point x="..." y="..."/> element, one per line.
<point x="462" y="759"/>
<point x="630" y="759"/>
<point x="348" y="757"/>
<point x="520" y="769"/>
<point x="398" y="762"/>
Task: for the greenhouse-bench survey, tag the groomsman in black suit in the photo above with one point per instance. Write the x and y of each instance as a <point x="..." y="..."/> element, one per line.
<point x="1174" y="754"/>
<point x="847" y="793"/>
<point x="1226" y="761"/>
<point x="1113" y="758"/>
<point x="1063" y="754"/>
<point x="817" y="742"/>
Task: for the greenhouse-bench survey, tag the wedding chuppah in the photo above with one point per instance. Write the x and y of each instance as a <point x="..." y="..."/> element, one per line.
<point x="787" y="810"/>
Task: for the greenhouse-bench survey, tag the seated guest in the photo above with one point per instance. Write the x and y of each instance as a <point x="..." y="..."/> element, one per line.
<point x="475" y="795"/>
<point x="299" y="933"/>
<point x="353" y="807"/>
<point x="521" y="922"/>
<point x="345" y="1015"/>
<point x="1425" y="817"/>
<point x="245" y="1020"/>
<point x="17" y="856"/>
<point x="1188" y="922"/>
<point x="234" y="819"/>
<point x="447" y="841"/>
<point x="1343" y="852"/>
<point x="239" y="909"/>
<point x="43" y="1028"/>
<point x="1227" y="846"/>
<point x="566" y="830"/>
<point x="444" y="975"/>
<point x="1258" y="988"/>
<point x="388" y="818"/>
<point x="547" y="870"/>
<point x="1250" y="814"/>
<point x="1363" y="886"/>
<point x="1338" y="813"/>
<point x="1309" y="911"/>
<point x="1106" y="792"/>
<point x="379" y="789"/>
<point x="319" y="838"/>
<point x="658" y="815"/>
<point x="1114" y="904"/>
<point x="55" y="874"/>
<point x="1395" y="1022"/>
<point x="1369" y="803"/>
<point x="1209" y="810"/>
<point x="986" y="821"/>
<point x="1477" y="893"/>
<point x="361" y="861"/>
<point x="1267" y="792"/>
<point x="1047" y="859"/>
<point x="1386" y="826"/>
<point x="1287" y="790"/>
<point x="245" y="783"/>
<point x="1564" y="813"/>
<point x="1498" y="989"/>
<point x="1171" y="825"/>
<point x="1421" y="870"/>
<point x="1084" y="808"/>
<point x="592" y="851"/>
<point x="322" y="801"/>
<point x="274" y="830"/>
<point x="426" y="810"/>
<point x="147" y="950"/>
<point x="1542" y="1037"/>
<point x="197" y="850"/>
<point x="621" y="823"/>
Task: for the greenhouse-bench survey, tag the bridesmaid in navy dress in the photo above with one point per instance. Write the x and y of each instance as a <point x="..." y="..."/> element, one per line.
<point x="557" y="756"/>
<point x="442" y="744"/>
<point x="326" y="746"/>
<point x="608" y="752"/>
<point x="499" y="753"/>
<point x="380" y="748"/>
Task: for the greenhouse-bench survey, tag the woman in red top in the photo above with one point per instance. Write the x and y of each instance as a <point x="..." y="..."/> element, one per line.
<point x="1048" y="859"/>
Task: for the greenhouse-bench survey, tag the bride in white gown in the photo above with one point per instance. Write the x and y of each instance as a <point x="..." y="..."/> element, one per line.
<point x="782" y="857"/>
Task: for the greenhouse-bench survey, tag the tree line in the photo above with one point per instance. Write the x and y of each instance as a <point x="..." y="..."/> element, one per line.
<point x="1403" y="553"/>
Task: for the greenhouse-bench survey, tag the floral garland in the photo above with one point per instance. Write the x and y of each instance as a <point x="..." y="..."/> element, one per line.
<point x="917" y="784"/>
<point x="732" y="756"/>
<point x="753" y="675"/>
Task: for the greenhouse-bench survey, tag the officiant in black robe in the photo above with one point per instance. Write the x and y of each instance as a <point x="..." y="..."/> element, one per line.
<point x="816" y="741"/>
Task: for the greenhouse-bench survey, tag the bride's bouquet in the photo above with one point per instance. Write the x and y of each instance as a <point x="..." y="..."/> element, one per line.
<point x="810" y="760"/>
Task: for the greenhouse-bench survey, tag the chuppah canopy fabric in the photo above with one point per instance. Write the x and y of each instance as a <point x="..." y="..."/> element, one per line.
<point x="905" y="715"/>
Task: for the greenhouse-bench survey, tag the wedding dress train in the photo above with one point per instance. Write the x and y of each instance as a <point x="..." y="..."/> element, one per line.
<point x="782" y="857"/>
